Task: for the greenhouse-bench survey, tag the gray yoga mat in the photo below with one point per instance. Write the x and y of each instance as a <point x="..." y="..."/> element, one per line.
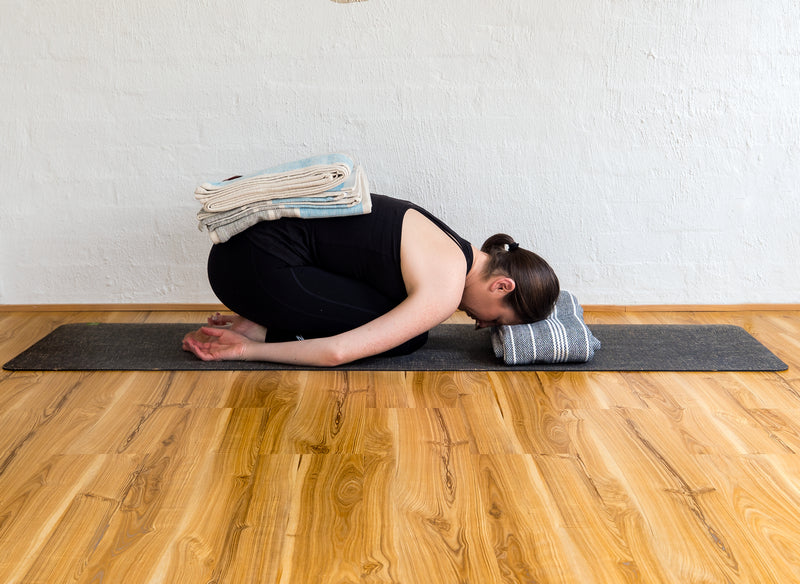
<point x="450" y="347"/>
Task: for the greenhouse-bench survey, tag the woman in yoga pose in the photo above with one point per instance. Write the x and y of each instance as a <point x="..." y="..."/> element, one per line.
<point x="330" y="291"/>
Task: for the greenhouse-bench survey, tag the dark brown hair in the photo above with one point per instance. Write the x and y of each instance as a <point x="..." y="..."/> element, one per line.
<point x="537" y="287"/>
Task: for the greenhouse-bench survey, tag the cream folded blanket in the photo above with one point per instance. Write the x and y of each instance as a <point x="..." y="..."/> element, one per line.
<point x="309" y="176"/>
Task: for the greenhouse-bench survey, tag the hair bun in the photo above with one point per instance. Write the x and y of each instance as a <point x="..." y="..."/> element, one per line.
<point x="497" y="243"/>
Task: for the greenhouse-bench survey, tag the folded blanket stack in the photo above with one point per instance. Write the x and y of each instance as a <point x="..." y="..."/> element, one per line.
<point x="331" y="185"/>
<point x="562" y="337"/>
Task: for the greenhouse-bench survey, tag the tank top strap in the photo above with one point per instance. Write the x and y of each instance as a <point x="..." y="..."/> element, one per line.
<point x="466" y="246"/>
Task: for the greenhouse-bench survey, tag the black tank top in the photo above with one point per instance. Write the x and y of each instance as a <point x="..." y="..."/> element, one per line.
<point x="364" y="247"/>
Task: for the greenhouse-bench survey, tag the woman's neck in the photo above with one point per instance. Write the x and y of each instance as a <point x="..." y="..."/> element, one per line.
<point x="478" y="269"/>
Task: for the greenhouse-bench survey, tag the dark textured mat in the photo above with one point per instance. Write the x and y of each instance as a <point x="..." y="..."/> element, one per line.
<point x="451" y="347"/>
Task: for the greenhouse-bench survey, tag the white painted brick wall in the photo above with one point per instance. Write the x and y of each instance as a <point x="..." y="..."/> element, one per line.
<point x="650" y="150"/>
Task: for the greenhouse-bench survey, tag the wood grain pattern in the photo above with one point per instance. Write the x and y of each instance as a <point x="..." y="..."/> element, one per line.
<point x="400" y="477"/>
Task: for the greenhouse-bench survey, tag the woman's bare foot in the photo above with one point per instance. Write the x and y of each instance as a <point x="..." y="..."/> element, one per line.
<point x="239" y="324"/>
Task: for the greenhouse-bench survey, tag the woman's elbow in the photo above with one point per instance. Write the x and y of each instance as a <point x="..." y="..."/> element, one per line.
<point x="333" y="356"/>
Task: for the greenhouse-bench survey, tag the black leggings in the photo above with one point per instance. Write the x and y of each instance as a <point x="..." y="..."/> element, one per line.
<point x="292" y="301"/>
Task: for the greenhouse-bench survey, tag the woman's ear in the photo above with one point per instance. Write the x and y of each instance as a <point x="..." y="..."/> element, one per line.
<point x="503" y="285"/>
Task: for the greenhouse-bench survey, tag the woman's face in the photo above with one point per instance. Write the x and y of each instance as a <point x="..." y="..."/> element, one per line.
<point x="485" y="304"/>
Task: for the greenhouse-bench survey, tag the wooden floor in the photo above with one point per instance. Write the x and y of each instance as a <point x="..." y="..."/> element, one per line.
<point x="413" y="478"/>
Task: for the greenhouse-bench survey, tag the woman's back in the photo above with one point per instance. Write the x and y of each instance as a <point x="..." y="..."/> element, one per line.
<point x="362" y="247"/>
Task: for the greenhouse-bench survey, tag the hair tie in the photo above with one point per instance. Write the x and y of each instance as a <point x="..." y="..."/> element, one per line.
<point x="512" y="246"/>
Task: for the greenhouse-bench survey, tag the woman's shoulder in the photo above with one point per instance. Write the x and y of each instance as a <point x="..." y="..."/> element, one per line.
<point x="445" y="232"/>
<point x="433" y="266"/>
<point x="424" y="240"/>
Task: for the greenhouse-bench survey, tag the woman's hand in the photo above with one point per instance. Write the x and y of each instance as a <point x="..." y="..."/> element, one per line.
<point x="221" y="320"/>
<point x="216" y="344"/>
<point x="238" y="324"/>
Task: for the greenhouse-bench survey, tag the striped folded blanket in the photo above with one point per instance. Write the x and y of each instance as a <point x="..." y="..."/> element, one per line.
<point x="562" y="337"/>
<point x="323" y="186"/>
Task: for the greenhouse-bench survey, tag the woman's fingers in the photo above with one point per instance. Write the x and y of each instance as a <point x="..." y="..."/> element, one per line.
<point x="220" y="319"/>
<point x="213" y="332"/>
<point x="201" y="344"/>
<point x="213" y="344"/>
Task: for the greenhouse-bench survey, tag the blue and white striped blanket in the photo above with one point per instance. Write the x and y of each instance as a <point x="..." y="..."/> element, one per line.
<point x="562" y="337"/>
<point x="331" y="185"/>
